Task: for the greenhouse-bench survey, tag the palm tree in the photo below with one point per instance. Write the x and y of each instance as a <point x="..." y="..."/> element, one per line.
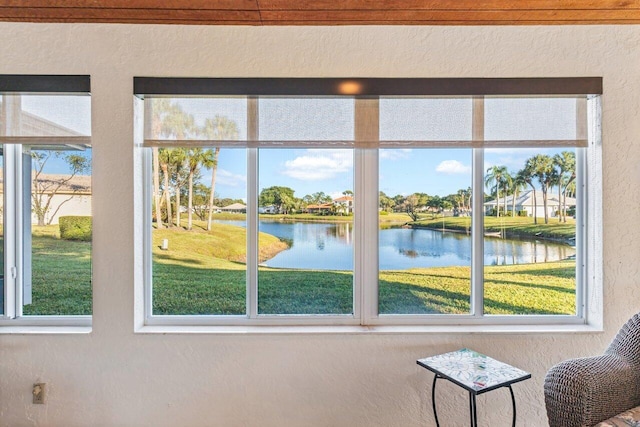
<point x="526" y="175"/>
<point x="547" y="175"/>
<point x="498" y="176"/>
<point x="517" y="184"/>
<point x="219" y="128"/>
<point x="169" y="121"/>
<point x="566" y="164"/>
<point x="164" y="158"/>
<point x="196" y="157"/>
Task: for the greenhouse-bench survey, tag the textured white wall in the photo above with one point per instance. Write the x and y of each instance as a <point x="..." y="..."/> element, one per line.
<point x="113" y="377"/>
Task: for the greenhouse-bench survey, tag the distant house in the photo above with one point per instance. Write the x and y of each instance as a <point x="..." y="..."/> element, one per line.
<point x="343" y="205"/>
<point x="524" y="203"/>
<point x="271" y="209"/>
<point x="320" y="209"/>
<point x="71" y="199"/>
<point x="235" y="208"/>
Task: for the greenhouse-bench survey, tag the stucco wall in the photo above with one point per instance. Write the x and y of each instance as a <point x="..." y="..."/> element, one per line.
<point x="114" y="377"/>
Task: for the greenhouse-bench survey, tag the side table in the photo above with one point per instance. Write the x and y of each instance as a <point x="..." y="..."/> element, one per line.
<point x="475" y="373"/>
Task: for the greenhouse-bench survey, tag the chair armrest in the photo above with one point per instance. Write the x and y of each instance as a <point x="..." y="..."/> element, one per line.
<point x="582" y="392"/>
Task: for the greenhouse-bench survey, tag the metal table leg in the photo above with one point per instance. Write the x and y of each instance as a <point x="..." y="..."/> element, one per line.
<point x="513" y="401"/>
<point x="472" y="410"/>
<point x="433" y="399"/>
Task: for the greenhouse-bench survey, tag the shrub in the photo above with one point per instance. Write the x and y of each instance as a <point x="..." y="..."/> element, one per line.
<point x="75" y="228"/>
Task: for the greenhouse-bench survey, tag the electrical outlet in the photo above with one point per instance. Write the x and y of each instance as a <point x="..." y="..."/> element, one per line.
<point x="38" y="393"/>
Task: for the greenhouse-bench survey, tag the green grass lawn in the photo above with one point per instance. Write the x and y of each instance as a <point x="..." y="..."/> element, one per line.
<point x="204" y="273"/>
<point x="61" y="282"/>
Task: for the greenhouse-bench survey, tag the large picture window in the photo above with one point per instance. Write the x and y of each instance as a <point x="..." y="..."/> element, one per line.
<point x="368" y="201"/>
<point x="45" y="128"/>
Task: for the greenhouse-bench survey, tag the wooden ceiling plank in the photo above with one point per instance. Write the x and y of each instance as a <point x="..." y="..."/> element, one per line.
<point x="136" y="4"/>
<point x="430" y="16"/>
<point x="132" y="21"/>
<point x="130" y="14"/>
<point x="449" y="23"/>
<point x="469" y="5"/>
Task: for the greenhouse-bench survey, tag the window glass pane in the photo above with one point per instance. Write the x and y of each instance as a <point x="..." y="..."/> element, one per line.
<point x="306" y="119"/>
<point x="57" y="274"/>
<point x="306" y="231"/>
<point x="425" y="231"/>
<point x="199" y="246"/>
<point x="530" y="231"/>
<point x="530" y="119"/>
<point x="425" y="119"/>
<point x="210" y="118"/>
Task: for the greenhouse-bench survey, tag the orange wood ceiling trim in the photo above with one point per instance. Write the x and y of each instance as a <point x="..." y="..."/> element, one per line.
<point x="326" y="12"/>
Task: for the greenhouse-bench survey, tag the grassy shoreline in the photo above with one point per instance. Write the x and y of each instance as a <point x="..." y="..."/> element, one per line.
<point x="509" y="227"/>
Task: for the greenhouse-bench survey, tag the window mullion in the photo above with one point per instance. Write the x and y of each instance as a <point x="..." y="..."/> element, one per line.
<point x="252" y="209"/>
<point x="11" y="241"/>
<point x="477" y="224"/>
<point x="367" y="130"/>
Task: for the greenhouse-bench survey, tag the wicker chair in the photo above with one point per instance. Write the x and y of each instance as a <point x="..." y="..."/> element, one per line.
<point x="585" y="391"/>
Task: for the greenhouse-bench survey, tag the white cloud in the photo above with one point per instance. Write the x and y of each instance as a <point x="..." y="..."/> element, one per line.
<point x="395" y="154"/>
<point x="316" y="167"/>
<point x="224" y="177"/>
<point x="452" y="167"/>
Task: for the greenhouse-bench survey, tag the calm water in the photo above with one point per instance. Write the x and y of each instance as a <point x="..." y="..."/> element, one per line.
<point x="329" y="246"/>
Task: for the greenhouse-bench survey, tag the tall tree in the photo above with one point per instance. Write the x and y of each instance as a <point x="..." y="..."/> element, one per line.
<point x="517" y="184"/>
<point x="170" y="122"/>
<point x="196" y="157"/>
<point x="280" y="197"/>
<point x="410" y="206"/>
<point x="565" y="162"/>
<point x="179" y="167"/>
<point x="526" y="175"/>
<point x="220" y="128"/>
<point x="498" y="177"/>
<point x="546" y="175"/>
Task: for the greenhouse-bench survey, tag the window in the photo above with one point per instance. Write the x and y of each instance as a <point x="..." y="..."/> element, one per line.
<point x="368" y="201"/>
<point x="46" y="199"/>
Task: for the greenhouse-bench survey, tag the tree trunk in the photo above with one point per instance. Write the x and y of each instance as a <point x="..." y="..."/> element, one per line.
<point x="535" y="205"/>
<point x="165" y="172"/>
<point x="156" y="186"/>
<point x="560" y="201"/>
<point x="177" y="189"/>
<point x="544" y="203"/>
<point x="214" y="169"/>
<point x="190" y="203"/>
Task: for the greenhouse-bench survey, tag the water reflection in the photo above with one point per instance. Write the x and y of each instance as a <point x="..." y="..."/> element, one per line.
<point x="329" y="246"/>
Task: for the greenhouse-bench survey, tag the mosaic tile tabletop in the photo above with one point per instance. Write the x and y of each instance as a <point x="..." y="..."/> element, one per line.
<point x="474" y="370"/>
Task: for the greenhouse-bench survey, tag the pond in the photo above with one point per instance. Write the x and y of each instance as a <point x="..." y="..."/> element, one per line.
<point x="329" y="246"/>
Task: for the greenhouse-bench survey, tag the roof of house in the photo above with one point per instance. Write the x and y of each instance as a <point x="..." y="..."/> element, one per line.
<point x="343" y="199"/>
<point x="234" y="207"/>
<point x="526" y="199"/>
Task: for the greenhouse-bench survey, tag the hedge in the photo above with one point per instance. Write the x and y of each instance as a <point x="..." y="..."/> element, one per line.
<point x="75" y="228"/>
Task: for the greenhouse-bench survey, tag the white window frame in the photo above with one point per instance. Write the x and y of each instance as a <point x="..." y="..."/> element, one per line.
<point x="365" y="290"/>
<point x="17" y="196"/>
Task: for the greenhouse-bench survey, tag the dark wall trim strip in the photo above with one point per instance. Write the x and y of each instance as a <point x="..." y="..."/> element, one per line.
<point x="367" y="86"/>
<point x="45" y="83"/>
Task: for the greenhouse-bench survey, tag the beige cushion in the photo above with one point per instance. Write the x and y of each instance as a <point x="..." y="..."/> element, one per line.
<point x="630" y="418"/>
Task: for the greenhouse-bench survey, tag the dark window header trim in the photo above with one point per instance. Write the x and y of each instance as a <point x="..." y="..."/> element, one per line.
<point x="364" y="87"/>
<point x="45" y="83"/>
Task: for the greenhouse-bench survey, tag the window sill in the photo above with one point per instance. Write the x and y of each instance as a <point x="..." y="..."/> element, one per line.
<point x="381" y="330"/>
<point x="43" y="330"/>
